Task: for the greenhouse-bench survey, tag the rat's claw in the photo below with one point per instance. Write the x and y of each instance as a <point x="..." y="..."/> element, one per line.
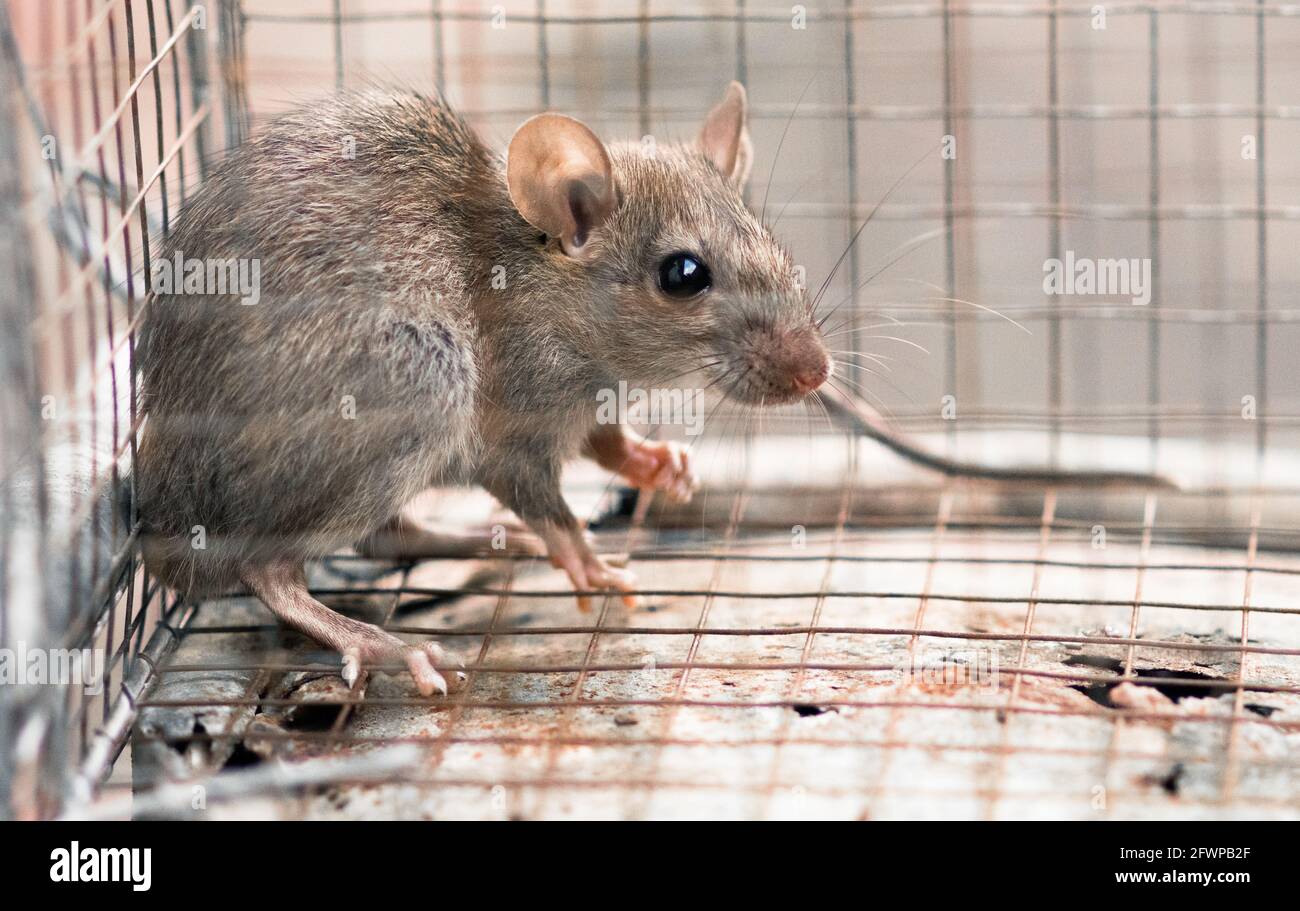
<point x="427" y="679"/>
<point x="457" y="679"/>
<point x="368" y="647"/>
<point x="351" y="667"/>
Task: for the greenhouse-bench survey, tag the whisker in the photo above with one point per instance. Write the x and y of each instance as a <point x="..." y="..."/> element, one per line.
<point x="777" y="157"/>
<point x="904" y="249"/>
<point x="866" y="221"/>
<point x="842" y="327"/>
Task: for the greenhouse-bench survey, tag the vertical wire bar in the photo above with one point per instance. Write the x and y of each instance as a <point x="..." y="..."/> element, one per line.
<point x="20" y="431"/>
<point x="851" y="142"/>
<point x="72" y="614"/>
<point x="338" y="44"/>
<point x="673" y="703"/>
<point x="805" y="654"/>
<point x="178" y="112"/>
<point x="942" y="518"/>
<point x="336" y="729"/>
<point x="1153" y="235"/>
<point x="1046" y="522"/>
<point x="439" y="48"/>
<point x="158" y="128"/>
<point x="742" y="67"/>
<point x="145" y="263"/>
<point x="1231" y="768"/>
<point x="949" y="219"/>
<point x="572" y="703"/>
<point x="92" y="79"/>
<point x="543" y="55"/>
<point x="108" y="296"/>
<point x="1054" y="365"/>
<point x="643" y="66"/>
<point x="438" y="751"/>
<point x="234" y="78"/>
<point x="196" y="43"/>
<point x="1144" y="556"/>
<point x="1261" y="241"/>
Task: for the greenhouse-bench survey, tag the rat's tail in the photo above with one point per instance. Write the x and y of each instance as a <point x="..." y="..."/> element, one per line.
<point x="861" y="418"/>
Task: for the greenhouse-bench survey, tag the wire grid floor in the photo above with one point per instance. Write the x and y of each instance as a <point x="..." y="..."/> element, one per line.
<point x="974" y="666"/>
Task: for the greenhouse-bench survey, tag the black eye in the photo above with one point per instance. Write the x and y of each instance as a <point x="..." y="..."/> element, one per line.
<point x="682" y="275"/>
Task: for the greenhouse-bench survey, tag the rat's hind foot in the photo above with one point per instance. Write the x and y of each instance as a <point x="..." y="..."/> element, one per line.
<point x="402" y="538"/>
<point x="372" y="648"/>
<point x="283" y="588"/>
<point x="568" y="550"/>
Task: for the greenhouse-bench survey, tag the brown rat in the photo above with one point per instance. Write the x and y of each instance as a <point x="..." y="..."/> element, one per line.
<point x="429" y="315"/>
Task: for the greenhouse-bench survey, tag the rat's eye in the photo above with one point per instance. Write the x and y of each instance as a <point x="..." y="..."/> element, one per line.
<point x="682" y="275"/>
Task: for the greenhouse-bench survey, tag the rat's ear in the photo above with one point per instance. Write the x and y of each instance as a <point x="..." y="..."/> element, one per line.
<point x="725" y="137"/>
<point x="560" y="178"/>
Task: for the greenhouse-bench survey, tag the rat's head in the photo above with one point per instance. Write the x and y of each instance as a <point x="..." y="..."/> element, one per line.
<point x="680" y="273"/>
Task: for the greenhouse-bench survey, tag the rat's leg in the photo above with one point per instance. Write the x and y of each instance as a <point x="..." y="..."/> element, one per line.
<point x="568" y="549"/>
<point x="404" y="538"/>
<point x="282" y="587"/>
<point x="649" y="464"/>
<point x="527" y="481"/>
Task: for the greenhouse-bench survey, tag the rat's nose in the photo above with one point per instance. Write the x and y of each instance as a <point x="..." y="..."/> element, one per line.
<point x="808" y="365"/>
<point x="810" y="378"/>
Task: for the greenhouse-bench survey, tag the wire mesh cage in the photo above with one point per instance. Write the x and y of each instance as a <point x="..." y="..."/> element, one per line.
<point x="1045" y="233"/>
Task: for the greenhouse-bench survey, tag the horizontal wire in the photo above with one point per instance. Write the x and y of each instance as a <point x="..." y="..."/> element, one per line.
<point x="783" y="16"/>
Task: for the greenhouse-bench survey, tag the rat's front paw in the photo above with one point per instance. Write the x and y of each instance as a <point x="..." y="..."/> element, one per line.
<point x="660" y="465"/>
<point x="365" y="646"/>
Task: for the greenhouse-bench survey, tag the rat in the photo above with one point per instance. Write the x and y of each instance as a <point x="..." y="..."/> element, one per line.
<point x="432" y="314"/>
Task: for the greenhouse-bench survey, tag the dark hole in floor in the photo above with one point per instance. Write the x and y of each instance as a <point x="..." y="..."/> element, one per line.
<point x="1261" y="710"/>
<point x="1097" y="661"/>
<point x="239" y="757"/>
<point x="1097" y="692"/>
<point x="808" y="710"/>
<point x="1100" y="692"/>
<point x="312" y="717"/>
<point x="242" y="757"/>
<point x="1179" y="691"/>
<point x="1170" y="783"/>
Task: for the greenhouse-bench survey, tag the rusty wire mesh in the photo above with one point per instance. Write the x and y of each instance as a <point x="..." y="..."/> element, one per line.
<point x="806" y="646"/>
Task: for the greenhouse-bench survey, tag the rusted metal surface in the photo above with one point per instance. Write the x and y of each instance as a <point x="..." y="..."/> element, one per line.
<point x="960" y="668"/>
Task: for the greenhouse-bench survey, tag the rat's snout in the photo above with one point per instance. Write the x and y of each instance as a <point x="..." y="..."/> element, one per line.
<point x="806" y="362"/>
<point x="784" y="364"/>
<point x="811" y="372"/>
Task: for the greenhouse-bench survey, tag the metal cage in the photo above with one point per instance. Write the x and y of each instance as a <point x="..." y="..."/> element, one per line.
<point x="832" y="632"/>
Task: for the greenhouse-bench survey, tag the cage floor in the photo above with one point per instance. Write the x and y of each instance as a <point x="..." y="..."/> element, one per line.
<point x="959" y="669"/>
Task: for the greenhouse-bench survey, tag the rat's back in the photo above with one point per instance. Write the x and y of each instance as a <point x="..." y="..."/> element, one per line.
<point x="290" y="414"/>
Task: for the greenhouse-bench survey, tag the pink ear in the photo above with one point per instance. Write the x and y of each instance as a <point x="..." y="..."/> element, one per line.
<point x="725" y="136"/>
<point x="560" y="179"/>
